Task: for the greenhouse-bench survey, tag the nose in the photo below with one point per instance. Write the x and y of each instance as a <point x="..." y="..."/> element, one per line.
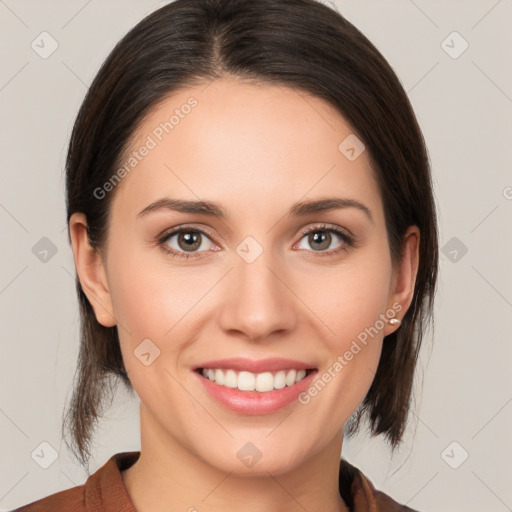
<point x="258" y="300"/>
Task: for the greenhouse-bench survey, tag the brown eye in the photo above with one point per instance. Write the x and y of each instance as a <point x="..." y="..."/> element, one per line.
<point x="181" y="241"/>
<point x="189" y="240"/>
<point x="320" y="238"/>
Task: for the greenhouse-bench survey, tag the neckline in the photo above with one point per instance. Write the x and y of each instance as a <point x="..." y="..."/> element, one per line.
<point x="105" y="489"/>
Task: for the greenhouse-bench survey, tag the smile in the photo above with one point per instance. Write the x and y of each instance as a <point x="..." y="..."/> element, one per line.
<point x="248" y="381"/>
<point x="248" y="393"/>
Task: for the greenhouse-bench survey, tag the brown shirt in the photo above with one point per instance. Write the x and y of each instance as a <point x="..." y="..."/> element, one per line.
<point x="104" y="491"/>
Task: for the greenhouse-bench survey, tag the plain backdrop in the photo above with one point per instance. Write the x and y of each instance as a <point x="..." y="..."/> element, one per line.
<point x="453" y="58"/>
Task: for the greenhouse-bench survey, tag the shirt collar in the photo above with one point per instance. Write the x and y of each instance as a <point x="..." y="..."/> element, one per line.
<point x="105" y="489"/>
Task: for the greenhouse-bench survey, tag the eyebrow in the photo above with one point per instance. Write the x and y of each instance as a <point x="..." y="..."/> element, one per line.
<point x="299" y="209"/>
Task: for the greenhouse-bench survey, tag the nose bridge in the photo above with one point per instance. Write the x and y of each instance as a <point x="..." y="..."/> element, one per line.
<point x="258" y="302"/>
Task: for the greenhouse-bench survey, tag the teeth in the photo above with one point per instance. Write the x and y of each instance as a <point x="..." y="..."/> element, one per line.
<point x="280" y="380"/>
<point x="230" y="379"/>
<point x="219" y="377"/>
<point x="290" y="377"/>
<point x="247" y="381"/>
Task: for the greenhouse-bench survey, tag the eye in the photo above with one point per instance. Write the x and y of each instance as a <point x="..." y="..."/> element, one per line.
<point x="321" y="238"/>
<point x="188" y="242"/>
<point x="185" y="242"/>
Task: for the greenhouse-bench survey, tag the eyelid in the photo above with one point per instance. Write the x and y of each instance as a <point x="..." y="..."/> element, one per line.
<point x="328" y="227"/>
<point x="182" y="227"/>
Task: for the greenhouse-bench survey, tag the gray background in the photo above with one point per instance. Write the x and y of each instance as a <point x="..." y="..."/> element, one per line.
<point x="464" y="104"/>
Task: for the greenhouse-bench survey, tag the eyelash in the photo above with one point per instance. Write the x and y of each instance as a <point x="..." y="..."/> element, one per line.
<point x="348" y="241"/>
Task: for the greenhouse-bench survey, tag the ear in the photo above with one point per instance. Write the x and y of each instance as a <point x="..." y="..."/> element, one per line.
<point x="404" y="277"/>
<point x="91" y="271"/>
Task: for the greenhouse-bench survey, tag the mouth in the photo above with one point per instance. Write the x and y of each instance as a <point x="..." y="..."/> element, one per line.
<point x="263" y="382"/>
<point x="251" y="387"/>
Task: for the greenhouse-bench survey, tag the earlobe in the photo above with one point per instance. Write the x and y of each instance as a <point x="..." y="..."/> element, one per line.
<point x="405" y="277"/>
<point x="91" y="271"/>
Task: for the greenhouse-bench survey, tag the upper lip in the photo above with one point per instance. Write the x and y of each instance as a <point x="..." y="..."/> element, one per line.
<point x="256" y="366"/>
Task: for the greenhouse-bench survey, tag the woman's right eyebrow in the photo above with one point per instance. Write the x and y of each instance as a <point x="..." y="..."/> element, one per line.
<point x="185" y="206"/>
<point x="300" y="209"/>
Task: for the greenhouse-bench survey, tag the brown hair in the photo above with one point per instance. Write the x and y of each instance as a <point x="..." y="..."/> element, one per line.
<point x="302" y="44"/>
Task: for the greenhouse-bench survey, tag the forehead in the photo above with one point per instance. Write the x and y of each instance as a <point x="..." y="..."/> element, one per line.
<point x="245" y="145"/>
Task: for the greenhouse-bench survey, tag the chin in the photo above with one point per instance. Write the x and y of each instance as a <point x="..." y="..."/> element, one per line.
<point x="249" y="460"/>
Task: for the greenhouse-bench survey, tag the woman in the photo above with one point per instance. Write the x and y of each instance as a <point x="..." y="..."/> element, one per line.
<point x="220" y="142"/>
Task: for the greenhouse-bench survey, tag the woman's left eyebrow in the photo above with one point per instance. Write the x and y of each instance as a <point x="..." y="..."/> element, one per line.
<point x="214" y="209"/>
<point x="330" y="203"/>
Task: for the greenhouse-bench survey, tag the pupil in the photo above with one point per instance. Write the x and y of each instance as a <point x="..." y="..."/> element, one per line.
<point x="321" y="236"/>
<point x="191" y="240"/>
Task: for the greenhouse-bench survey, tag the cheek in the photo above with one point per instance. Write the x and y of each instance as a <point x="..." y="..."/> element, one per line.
<point x="155" y="301"/>
<point x="150" y="305"/>
<point x="351" y="299"/>
<point x="150" y="298"/>
<point x="351" y="306"/>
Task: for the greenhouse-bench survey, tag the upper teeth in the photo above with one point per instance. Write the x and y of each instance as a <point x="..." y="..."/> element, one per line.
<point x="247" y="381"/>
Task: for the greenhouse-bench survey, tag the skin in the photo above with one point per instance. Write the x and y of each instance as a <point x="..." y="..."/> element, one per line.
<point x="256" y="150"/>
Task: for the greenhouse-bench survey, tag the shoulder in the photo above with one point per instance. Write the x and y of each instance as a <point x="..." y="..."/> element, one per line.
<point x="363" y="494"/>
<point x="70" y="500"/>
<point x="385" y="503"/>
<point x="104" y="490"/>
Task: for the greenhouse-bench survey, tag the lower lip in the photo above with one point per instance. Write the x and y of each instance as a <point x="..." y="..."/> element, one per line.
<point x="254" y="402"/>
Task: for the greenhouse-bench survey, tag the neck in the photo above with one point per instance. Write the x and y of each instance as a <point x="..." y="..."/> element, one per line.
<point x="169" y="477"/>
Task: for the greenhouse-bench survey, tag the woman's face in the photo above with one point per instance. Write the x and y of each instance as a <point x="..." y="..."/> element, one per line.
<point x="249" y="284"/>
